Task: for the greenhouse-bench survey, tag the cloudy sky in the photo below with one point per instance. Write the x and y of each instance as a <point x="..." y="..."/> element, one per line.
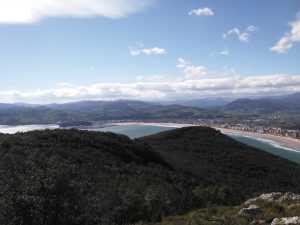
<point x="69" y="50"/>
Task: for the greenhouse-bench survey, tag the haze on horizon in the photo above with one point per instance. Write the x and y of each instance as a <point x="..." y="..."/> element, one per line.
<point x="70" y="50"/>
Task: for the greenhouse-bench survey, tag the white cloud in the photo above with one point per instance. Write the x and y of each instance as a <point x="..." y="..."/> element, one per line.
<point x="140" y="78"/>
<point x="191" y="72"/>
<point x="201" y="12"/>
<point x="228" y="86"/>
<point x="154" y="51"/>
<point x="224" y="52"/>
<point x="153" y="78"/>
<point x="32" y="11"/>
<point x="147" y="51"/>
<point x="135" y="52"/>
<point x="228" y="71"/>
<point x="286" y="42"/>
<point x="242" y="36"/>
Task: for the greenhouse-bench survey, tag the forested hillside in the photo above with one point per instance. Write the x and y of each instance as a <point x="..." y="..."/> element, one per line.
<point x="82" y="177"/>
<point x="218" y="160"/>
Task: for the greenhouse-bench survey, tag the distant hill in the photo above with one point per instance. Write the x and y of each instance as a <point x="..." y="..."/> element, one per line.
<point x="280" y="104"/>
<point x="38" y="115"/>
<point x="81" y="177"/>
<point x="205" y="103"/>
<point x="85" y="112"/>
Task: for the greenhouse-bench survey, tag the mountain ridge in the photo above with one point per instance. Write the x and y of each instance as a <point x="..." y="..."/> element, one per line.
<point x="92" y="111"/>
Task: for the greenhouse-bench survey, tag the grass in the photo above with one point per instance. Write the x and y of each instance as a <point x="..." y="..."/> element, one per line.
<point x="227" y="215"/>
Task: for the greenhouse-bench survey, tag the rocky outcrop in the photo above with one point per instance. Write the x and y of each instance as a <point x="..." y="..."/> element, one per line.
<point x="275" y="196"/>
<point x="286" y="221"/>
<point x="252" y="210"/>
<point x="290" y="196"/>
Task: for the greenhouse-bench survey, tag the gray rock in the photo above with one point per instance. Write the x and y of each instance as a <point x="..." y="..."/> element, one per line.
<point x="286" y="221"/>
<point x="252" y="210"/>
<point x="270" y="197"/>
<point x="275" y="196"/>
<point x="290" y="196"/>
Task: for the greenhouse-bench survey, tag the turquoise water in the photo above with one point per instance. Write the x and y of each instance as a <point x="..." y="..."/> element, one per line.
<point x="135" y="131"/>
<point x="269" y="147"/>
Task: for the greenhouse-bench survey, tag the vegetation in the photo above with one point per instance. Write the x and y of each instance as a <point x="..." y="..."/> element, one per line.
<point x="81" y="177"/>
<point x="229" y="215"/>
<point x="218" y="160"/>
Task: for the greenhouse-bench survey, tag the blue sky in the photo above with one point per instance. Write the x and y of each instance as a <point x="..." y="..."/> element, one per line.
<point x="57" y="51"/>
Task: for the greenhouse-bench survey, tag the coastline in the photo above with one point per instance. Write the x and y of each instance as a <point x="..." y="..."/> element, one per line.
<point x="285" y="142"/>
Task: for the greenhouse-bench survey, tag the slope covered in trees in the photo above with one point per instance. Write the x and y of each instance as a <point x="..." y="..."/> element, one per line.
<point x="217" y="159"/>
<point x="81" y="177"/>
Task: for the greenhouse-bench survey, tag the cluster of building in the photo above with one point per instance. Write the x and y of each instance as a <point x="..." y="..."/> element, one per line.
<point x="251" y="128"/>
<point x="266" y="130"/>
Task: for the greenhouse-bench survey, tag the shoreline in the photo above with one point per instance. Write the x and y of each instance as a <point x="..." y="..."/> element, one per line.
<point x="286" y="143"/>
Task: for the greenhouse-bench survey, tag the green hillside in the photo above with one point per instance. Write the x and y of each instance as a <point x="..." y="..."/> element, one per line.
<point x="81" y="177"/>
<point x="218" y="160"/>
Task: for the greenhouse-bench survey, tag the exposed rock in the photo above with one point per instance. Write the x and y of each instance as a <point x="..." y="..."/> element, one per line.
<point x="266" y="197"/>
<point x="286" y="221"/>
<point x="275" y="196"/>
<point x="290" y="196"/>
<point x="252" y="210"/>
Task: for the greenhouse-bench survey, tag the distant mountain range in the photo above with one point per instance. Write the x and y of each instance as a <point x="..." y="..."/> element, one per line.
<point x="205" y="103"/>
<point x="280" y="104"/>
<point x="87" y="112"/>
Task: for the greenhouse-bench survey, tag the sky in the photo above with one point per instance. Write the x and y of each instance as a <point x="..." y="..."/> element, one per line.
<point x="71" y="50"/>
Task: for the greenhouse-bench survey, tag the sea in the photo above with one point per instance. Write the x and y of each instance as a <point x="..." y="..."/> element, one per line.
<point x="140" y="130"/>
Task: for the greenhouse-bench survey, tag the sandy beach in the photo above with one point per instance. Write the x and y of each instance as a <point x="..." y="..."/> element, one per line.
<point x="286" y="142"/>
